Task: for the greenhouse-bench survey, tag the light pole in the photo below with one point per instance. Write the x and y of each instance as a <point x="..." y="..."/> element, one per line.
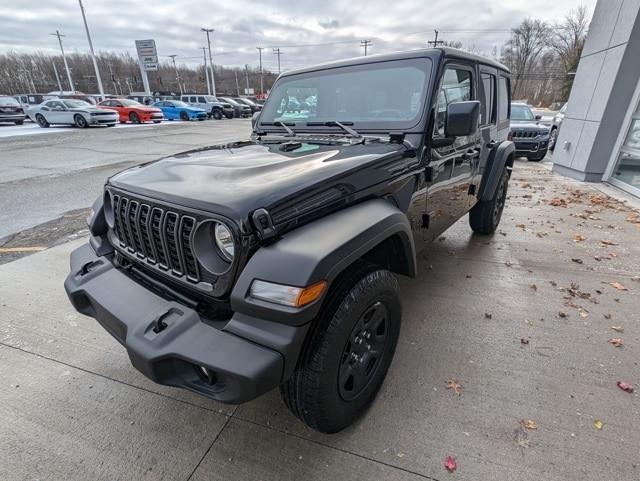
<point x="55" y="71"/>
<point x="261" y="83"/>
<point x="93" y="55"/>
<point x="278" y="53"/>
<point x="64" y="58"/>
<point x="173" y="58"/>
<point x="206" y="70"/>
<point x="213" y="78"/>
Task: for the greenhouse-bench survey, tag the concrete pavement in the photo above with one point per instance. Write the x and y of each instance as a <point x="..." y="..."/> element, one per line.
<point x="44" y="176"/>
<point x="520" y="320"/>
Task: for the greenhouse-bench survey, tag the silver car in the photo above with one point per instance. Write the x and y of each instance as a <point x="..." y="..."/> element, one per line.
<point x="71" y="112"/>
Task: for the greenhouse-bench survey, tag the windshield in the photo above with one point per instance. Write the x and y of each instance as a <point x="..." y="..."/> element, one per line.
<point x="178" y="103"/>
<point x="76" y="104"/>
<point x="388" y="95"/>
<point x="8" y="102"/>
<point x="129" y="103"/>
<point x="230" y="101"/>
<point x="210" y="98"/>
<point x="521" y="112"/>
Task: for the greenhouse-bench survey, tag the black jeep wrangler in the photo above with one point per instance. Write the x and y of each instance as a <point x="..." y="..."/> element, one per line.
<point x="233" y="269"/>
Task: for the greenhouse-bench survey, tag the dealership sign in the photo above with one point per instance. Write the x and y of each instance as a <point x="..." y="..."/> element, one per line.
<point x="147" y="54"/>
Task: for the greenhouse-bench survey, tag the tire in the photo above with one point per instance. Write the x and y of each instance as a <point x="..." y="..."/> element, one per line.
<point x="553" y="139"/>
<point x="229" y="116"/>
<point x="216" y="114"/>
<point x="80" y="121"/>
<point x="134" y="118"/>
<point x="42" y="122"/>
<point x="538" y="158"/>
<point x="19" y="122"/>
<point x="485" y="216"/>
<point x="157" y="121"/>
<point x="111" y="125"/>
<point x="330" y="388"/>
<point x="184" y="115"/>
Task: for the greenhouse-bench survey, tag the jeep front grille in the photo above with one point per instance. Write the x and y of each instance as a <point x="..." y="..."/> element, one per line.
<point x="525" y="134"/>
<point x="159" y="235"/>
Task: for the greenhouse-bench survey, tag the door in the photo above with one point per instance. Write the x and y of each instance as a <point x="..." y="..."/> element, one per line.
<point x="454" y="162"/>
<point x="58" y="113"/>
<point x="487" y="94"/>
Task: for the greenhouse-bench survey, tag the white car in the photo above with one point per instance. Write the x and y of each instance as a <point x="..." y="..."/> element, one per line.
<point x="71" y="112"/>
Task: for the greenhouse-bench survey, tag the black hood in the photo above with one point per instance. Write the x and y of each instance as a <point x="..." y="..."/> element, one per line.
<point x="528" y="125"/>
<point x="235" y="179"/>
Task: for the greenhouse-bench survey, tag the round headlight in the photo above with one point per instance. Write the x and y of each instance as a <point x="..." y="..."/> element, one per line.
<point x="224" y="241"/>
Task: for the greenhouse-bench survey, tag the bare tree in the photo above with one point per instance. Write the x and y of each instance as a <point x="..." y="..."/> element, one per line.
<point x="567" y="41"/>
<point x="523" y="51"/>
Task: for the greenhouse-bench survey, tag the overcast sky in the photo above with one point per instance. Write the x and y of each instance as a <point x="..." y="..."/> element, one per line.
<point x="241" y="25"/>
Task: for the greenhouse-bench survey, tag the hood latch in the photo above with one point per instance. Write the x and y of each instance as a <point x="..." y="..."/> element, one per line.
<point x="263" y="224"/>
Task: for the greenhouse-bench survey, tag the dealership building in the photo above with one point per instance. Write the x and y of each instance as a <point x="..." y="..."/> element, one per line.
<point x="600" y="136"/>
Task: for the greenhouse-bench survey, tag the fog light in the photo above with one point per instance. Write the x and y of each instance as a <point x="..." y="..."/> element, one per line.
<point x="287" y="295"/>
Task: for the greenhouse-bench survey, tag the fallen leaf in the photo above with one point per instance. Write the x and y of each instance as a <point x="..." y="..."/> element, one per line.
<point x="617" y="342"/>
<point x="468" y="276"/>
<point x="487" y="315"/>
<point x="607" y="316"/>
<point x="524" y="340"/>
<point x="577" y="261"/>
<point x="618" y="286"/>
<point x="617" y="328"/>
<point x="553" y="283"/>
<point x="579" y="238"/>
<point x="636" y="278"/>
<point x="529" y="424"/>
<point x="534" y="287"/>
<point x="608" y="242"/>
<point x="598" y="424"/>
<point x="584" y="314"/>
<point x="455" y="385"/>
<point x="450" y="464"/>
<point x="563" y="315"/>
<point x="508" y="264"/>
<point x="625" y="386"/>
<point x="521" y="437"/>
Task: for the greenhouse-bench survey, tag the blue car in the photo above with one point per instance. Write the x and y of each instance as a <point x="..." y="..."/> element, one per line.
<point x="178" y="110"/>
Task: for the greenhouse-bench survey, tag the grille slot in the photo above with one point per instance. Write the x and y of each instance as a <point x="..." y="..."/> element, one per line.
<point x="160" y="236"/>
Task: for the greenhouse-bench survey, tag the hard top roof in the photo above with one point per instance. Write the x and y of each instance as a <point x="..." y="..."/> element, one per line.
<point x="434" y="53"/>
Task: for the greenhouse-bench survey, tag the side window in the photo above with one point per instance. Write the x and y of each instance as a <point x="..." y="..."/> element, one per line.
<point x="192" y="100"/>
<point x="201" y="100"/>
<point x="456" y="86"/>
<point x="504" y="100"/>
<point x="489" y="99"/>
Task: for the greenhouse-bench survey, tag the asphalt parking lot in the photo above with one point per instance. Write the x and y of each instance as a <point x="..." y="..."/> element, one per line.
<point x="521" y="321"/>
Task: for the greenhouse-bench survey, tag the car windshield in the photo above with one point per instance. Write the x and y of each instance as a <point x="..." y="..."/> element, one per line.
<point x="8" y="102"/>
<point x="178" y="103"/>
<point x="210" y="98"/>
<point x="521" y="112"/>
<point x="247" y="101"/>
<point x="76" y="104"/>
<point x="129" y="103"/>
<point x="388" y="95"/>
<point x="231" y="101"/>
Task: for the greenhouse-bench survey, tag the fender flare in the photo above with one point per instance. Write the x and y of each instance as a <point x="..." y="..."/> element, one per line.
<point x="321" y="250"/>
<point x="498" y="158"/>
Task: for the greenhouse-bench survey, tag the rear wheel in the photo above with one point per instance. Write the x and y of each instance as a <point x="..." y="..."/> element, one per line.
<point x="184" y="115"/>
<point x="348" y="352"/>
<point x="216" y="114"/>
<point x="19" y="122"/>
<point x="80" y="121"/>
<point x="42" y="122"/>
<point x="485" y="216"/>
<point x="134" y="118"/>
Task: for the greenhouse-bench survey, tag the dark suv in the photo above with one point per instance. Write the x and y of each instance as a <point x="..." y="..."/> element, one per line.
<point x="234" y="269"/>
<point x="11" y="110"/>
<point x="529" y="135"/>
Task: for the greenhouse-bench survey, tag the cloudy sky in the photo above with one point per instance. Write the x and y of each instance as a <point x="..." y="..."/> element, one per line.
<point x="307" y="31"/>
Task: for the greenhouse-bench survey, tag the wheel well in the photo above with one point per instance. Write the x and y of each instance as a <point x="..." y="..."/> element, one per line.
<point x="390" y="254"/>
<point x="510" y="160"/>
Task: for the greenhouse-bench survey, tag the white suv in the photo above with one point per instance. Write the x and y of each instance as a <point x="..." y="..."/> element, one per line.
<point x="214" y="107"/>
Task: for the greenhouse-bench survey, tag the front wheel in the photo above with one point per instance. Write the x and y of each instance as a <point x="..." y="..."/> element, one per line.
<point x="485" y="216"/>
<point x="216" y="114"/>
<point x="80" y="121"/>
<point x="134" y="118"/>
<point x="348" y="352"/>
<point x="19" y="122"/>
<point x="184" y="115"/>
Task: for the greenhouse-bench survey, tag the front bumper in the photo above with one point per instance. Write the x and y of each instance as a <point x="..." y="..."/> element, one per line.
<point x="167" y="341"/>
<point x="103" y="120"/>
<point x="12" y="117"/>
<point x="531" y="146"/>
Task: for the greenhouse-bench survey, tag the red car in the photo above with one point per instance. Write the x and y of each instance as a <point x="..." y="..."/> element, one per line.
<point x="132" y="111"/>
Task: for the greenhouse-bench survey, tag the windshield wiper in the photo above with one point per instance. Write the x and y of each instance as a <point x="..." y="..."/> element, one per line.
<point x="285" y="126"/>
<point x="334" y="123"/>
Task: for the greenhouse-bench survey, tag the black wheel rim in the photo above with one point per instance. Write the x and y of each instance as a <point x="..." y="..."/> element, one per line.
<point x="41" y="121"/>
<point x="501" y="195"/>
<point x="363" y="351"/>
<point x="80" y="121"/>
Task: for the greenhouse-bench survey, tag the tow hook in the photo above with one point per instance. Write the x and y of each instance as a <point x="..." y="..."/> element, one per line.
<point x="158" y="323"/>
<point x="88" y="267"/>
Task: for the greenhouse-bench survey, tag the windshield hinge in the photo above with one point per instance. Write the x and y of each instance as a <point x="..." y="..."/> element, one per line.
<point x="396" y="137"/>
<point x="264" y="225"/>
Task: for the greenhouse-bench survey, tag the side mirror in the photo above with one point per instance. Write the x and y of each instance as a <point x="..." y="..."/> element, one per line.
<point x="538" y="117"/>
<point x="462" y="119"/>
<point x="254" y="119"/>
